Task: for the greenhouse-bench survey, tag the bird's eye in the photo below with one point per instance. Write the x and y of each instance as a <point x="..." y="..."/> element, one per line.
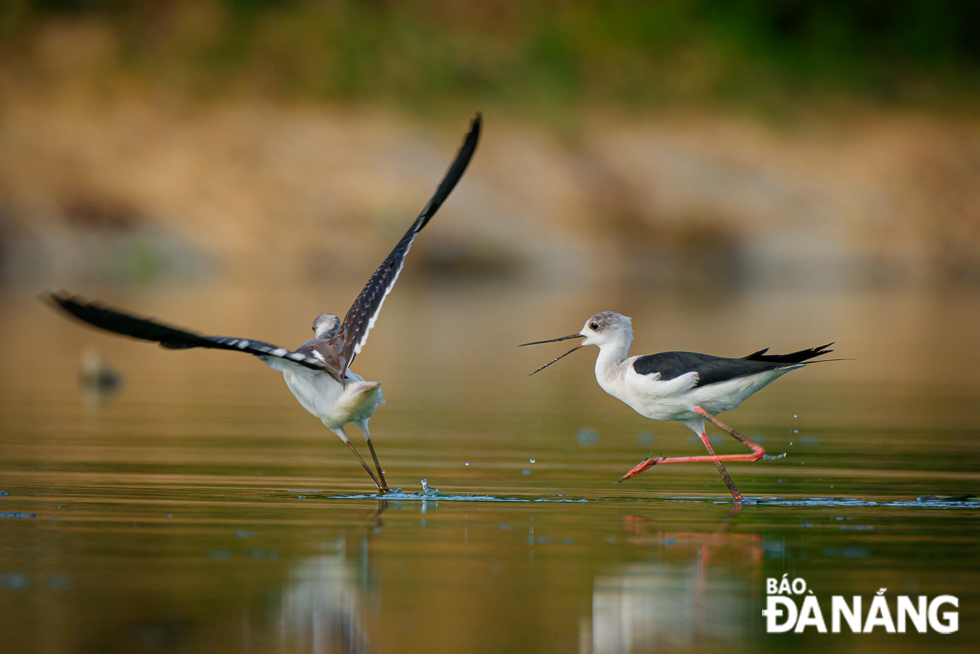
<point x="593" y="326"/>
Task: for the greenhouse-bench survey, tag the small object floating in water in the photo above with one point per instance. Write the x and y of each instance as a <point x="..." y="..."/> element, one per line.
<point x="318" y="372"/>
<point x="683" y="386"/>
<point x="97" y="377"/>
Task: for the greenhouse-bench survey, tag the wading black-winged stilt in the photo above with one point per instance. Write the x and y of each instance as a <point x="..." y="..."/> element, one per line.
<point x="318" y="372"/>
<point x="683" y="386"/>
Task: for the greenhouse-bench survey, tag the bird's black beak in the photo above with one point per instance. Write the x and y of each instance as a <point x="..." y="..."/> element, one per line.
<point x="554" y="340"/>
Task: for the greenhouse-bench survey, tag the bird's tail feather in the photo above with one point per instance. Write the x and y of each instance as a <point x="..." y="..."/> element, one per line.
<point x="793" y="357"/>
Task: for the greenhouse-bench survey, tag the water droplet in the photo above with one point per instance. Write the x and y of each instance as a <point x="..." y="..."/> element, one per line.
<point x="466" y="463"/>
<point x="794" y="415"/>
<point x="525" y="472"/>
<point x="531" y="460"/>
<point x="587" y="437"/>
<point x="14" y="581"/>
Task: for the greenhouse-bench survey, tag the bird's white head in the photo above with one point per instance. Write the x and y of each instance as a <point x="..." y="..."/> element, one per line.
<point x="602" y="329"/>
<point x="607" y="327"/>
<point x="326" y="326"/>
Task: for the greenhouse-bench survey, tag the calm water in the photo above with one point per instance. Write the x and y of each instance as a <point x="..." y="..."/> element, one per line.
<point x="201" y="509"/>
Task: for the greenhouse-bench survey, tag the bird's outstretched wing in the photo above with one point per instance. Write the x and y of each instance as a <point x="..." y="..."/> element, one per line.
<point x="175" y="338"/>
<point x="364" y="312"/>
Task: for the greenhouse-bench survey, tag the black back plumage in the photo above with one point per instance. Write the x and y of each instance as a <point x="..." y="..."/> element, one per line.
<point x="175" y="338"/>
<point x="712" y="369"/>
<point x="362" y="314"/>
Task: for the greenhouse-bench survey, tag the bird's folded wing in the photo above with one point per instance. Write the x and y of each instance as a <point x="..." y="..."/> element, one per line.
<point x="175" y="338"/>
<point x="364" y="312"/>
<point x="710" y="369"/>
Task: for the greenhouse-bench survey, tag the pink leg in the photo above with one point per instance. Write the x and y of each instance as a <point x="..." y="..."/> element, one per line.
<point x="757" y="452"/>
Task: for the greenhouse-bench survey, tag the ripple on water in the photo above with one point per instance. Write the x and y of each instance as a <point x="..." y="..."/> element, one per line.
<point x="398" y="495"/>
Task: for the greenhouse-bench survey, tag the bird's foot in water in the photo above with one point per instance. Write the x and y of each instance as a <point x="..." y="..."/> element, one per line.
<point x="643" y="465"/>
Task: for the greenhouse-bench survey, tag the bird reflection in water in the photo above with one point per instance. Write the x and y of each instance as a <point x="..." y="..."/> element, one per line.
<point x="694" y="588"/>
<point x="325" y="600"/>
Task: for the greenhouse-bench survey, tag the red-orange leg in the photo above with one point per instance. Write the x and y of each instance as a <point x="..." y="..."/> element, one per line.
<point x="721" y="469"/>
<point x="757" y="452"/>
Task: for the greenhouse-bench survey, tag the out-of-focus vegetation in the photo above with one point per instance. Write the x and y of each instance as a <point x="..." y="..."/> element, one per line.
<point x="143" y="139"/>
<point x="534" y="55"/>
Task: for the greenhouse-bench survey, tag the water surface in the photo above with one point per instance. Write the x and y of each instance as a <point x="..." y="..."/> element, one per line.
<point x="201" y="509"/>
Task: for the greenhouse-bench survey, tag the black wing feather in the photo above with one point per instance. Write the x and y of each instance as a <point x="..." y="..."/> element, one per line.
<point x="712" y="369"/>
<point x="364" y="311"/>
<point x="174" y="338"/>
<point x="793" y="357"/>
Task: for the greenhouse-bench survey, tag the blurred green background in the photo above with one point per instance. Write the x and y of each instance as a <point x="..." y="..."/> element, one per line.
<point x="690" y="144"/>
<point x="537" y="57"/>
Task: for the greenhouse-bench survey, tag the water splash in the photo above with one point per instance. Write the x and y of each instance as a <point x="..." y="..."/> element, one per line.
<point x="429" y="491"/>
<point x="399" y="495"/>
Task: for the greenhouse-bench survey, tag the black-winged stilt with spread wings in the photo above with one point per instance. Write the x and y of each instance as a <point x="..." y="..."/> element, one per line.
<point x="318" y="372"/>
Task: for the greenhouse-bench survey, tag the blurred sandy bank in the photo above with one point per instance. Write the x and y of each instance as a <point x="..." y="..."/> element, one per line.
<point x="135" y="189"/>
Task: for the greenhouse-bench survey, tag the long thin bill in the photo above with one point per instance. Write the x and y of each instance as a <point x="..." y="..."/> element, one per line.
<point x="553" y="360"/>
<point x="553" y="340"/>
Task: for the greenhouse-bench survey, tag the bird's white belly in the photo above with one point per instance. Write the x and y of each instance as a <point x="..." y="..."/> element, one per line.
<point x="333" y="404"/>
<point x="664" y="400"/>
<point x="666" y="408"/>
